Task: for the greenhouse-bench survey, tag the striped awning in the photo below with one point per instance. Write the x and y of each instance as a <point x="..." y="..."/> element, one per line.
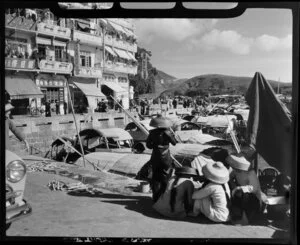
<point x="44" y="41"/>
<point x="122" y="54"/>
<point x="118" y="28"/>
<point x="129" y="32"/>
<point x="109" y="50"/>
<point x="22" y="88"/>
<point x="131" y="56"/>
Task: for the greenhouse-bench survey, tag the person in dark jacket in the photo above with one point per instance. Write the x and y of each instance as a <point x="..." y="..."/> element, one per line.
<point x="161" y="161"/>
<point x="48" y="109"/>
<point x="57" y="107"/>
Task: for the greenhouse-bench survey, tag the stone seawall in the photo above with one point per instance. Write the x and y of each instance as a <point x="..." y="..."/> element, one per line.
<point x="40" y="131"/>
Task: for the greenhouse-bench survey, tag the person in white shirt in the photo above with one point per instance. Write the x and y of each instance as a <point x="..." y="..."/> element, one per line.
<point x="213" y="197"/>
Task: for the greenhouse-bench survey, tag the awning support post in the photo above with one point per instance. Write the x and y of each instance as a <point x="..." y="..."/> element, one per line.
<point x="72" y="108"/>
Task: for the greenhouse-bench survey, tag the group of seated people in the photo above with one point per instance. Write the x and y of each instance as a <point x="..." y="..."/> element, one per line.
<point x="222" y="187"/>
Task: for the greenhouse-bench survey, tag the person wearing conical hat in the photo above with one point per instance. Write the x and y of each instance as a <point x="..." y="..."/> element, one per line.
<point x="213" y="198"/>
<point x="159" y="139"/>
<point x="246" y="191"/>
<point x="9" y="125"/>
<point x="176" y="201"/>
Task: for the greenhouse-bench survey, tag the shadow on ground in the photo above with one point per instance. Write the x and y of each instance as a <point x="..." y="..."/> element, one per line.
<point x="143" y="205"/>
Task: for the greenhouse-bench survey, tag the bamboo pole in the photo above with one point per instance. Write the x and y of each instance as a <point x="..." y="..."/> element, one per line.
<point x="81" y="147"/>
<point x="141" y="127"/>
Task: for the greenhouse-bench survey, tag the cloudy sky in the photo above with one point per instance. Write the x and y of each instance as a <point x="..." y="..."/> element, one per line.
<point x="258" y="40"/>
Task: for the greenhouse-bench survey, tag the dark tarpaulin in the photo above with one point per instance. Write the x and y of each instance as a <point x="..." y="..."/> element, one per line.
<point x="269" y="126"/>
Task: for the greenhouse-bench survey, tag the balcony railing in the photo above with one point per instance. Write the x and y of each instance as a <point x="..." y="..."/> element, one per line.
<point x="16" y="63"/>
<point x="123" y="22"/>
<point x="87" y="38"/>
<point x="88" y="72"/>
<point x="119" y="44"/>
<point x="56" y="67"/>
<point x="20" y="22"/>
<point x="132" y="47"/>
<point x="54" y="30"/>
<point x="120" y="67"/>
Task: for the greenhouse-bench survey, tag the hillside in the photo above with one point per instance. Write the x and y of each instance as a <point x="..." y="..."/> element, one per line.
<point x="218" y="84"/>
<point x="163" y="81"/>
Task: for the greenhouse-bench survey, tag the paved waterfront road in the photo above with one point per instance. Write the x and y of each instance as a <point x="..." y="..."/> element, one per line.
<point x="55" y="213"/>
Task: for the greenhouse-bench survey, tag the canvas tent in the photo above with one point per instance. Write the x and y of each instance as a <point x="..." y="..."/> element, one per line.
<point x="269" y="126"/>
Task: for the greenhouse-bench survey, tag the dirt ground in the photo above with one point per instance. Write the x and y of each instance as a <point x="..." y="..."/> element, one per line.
<point x="117" y="211"/>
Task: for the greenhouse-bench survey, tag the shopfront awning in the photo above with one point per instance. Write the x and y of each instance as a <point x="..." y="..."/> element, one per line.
<point x="22" y="88"/>
<point x="90" y="90"/>
<point x="109" y="50"/>
<point x="44" y="41"/>
<point x="122" y="54"/>
<point x="131" y="56"/>
<point x="115" y="87"/>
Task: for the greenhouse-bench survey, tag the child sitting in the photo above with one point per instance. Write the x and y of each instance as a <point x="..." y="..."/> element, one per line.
<point x="246" y="191"/>
<point x="213" y="197"/>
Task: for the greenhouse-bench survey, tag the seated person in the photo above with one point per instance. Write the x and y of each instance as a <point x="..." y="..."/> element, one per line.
<point x="246" y="190"/>
<point x="212" y="199"/>
<point x="176" y="201"/>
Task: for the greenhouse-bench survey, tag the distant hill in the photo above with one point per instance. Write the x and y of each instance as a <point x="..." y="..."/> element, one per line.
<point x="163" y="81"/>
<point x="218" y="84"/>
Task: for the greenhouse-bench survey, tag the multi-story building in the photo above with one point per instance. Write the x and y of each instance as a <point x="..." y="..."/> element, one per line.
<point x="44" y="54"/>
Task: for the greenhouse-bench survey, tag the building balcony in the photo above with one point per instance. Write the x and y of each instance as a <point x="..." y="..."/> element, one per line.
<point x="19" y="64"/>
<point x="119" y="44"/>
<point x="87" y="38"/>
<point x="132" y="47"/>
<point x="132" y="70"/>
<point x="56" y="67"/>
<point x="108" y="40"/>
<point x="20" y="23"/>
<point x="94" y="72"/>
<point x="123" y="22"/>
<point x="120" y="67"/>
<point x="54" y="30"/>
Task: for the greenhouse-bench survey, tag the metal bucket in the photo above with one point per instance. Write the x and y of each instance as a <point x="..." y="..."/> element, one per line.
<point x="144" y="187"/>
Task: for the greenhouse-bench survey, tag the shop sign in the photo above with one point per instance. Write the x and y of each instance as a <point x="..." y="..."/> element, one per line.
<point x="19" y="63"/>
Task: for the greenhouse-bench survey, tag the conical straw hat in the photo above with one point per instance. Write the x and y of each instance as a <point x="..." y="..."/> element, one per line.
<point x="216" y="172"/>
<point x="161" y="122"/>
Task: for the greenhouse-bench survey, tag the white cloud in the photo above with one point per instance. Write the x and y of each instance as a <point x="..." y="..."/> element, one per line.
<point x="230" y="40"/>
<point x="171" y="29"/>
<point x="270" y="43"/>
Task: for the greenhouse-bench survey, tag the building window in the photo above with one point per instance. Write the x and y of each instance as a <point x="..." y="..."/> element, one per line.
<point x="85" y="59"/>
<point x="59" y="53"/>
